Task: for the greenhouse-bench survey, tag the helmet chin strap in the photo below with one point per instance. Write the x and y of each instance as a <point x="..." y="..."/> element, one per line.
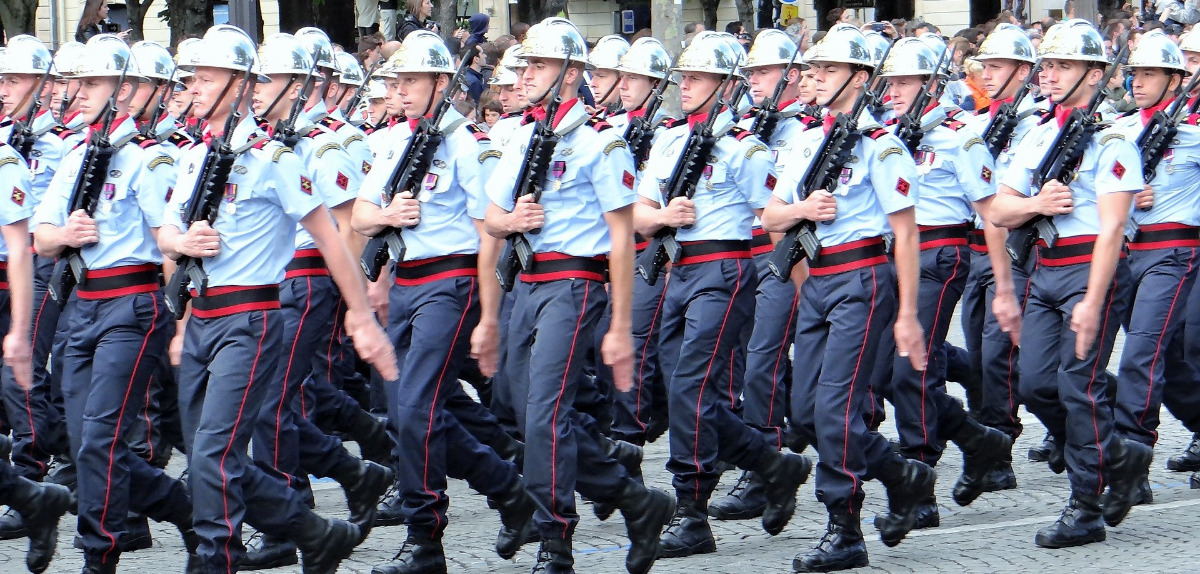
<point x="1004" y="86"/>
<point x="838" y="93"/>
<point x="1078" y="83"/>
<point x="267" y="112"/>
<point x="224" y="92"/>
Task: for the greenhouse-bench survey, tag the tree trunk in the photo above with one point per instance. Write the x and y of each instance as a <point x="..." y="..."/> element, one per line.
<point x="338" y="22"/>
<point x="745" y="11"/>
<point x="537" y="10"/>
<point x="710" y="13"/>
<point x="296" y="14"/>
<point x="18" y="17"/>
<point x="136" y="12"/>
<point x="445" y="13"/>
<point x="188" y="18"/>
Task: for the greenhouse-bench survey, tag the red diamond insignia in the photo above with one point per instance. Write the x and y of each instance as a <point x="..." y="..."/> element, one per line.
<point x="18" y="196"/>
<point x="342" y="180"/>
<point x="986" y="175"/>
<point x="902" y="186"/>
<point x="1118" y="169"/>
<point x="771" y="181"/>
<point x="366" y="167"/>
<point x="306" y="185"/>
<point x="627" y="179"/>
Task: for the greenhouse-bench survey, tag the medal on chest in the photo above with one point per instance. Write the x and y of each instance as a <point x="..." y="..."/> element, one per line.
<point x="230" y="196"/>
<point x="924" y="158"/>
<point x="427" y="186"/>
<point x="1167" y="155"/>
<point x="708" y="172"/>
<point x="110" y="191"/>
<point x="557" y="169"/>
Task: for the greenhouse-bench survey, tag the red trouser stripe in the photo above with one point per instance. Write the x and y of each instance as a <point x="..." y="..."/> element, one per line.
<point x="557" y="405"/>
<point x="229" y="447"/>
<point x="707" y="372"/>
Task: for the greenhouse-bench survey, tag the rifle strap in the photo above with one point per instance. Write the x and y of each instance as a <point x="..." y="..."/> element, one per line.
<point x="564" y="130"/>
<point x="253" y="142"/>
<point x="454" y="126"/>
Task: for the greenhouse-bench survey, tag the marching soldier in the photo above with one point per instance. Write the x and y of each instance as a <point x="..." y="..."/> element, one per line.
<point x="708" y="298"/>
<point x="63" y="103"/>
<point x="232" y="340"/>
<point x="116" y="320"/>
<point x="848" y="300"/>
<point x="585" y="219"/>
<point x="768" y="336"/>
<point x="954" y="174"/>
<point x="507" y="83"/>
<point x="1078" y="290"/>
<point x="349" y="77"/>
<point x="603" y="60"/>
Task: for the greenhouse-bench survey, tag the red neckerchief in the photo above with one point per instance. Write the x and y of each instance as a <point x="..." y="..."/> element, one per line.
<point x="538" y="113"/>
<point x="1061" y="113"/>
<point x="696" y="118"/>
<point x="827" y="122"/>
<point x="784" y="105"/>
<point x="995" y="105"/>
<point x="412" y="122"/>
<point x="637" y="113"/>
<point x="70" y="117"/>
<point x="1148" y="112"/>
<point x="98" y="125"/>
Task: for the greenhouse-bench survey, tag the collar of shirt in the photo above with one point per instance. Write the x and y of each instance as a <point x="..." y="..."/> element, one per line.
<point x="1061" y="113"/>
<point x="1147" y="113"/>
<point x="638" y="113"/>
<point x="538" y="113"/>
<point x="118" y="125"/>
<point x="698" y="117"/>
<point x="995" y="105"/>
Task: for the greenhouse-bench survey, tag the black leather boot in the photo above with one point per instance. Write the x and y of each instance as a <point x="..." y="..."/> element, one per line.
<point x="371" y="435"/>
<point x="554" y="557"/>
<point x="1000" y="478"/>
<point x="388" y="512"/>
<point x="137" y="534"/>
<point x="646" y="511"/>
<point x="1128" y="466"/>
<point x="747" y="499"/>
<point x="419" y="555"/>
<point x="928" y="515"/>
<point x="95" y="566"/>
<point x="181" y="516"/>
<point x="842" y="547"/>
<point x="12" y="526"/>
<point x="516" y="520"/>
<point x="41" y="505"/>
<point x="509" y="449"/>
<point x="264" y="551"/>
<point x="908" y="482"/>
<point x="324" y="543"/>
<point x="1189" y="459"/>
<point x="364" y="483"/>
<point x="1041" y="452"/>
<point x="629" y="455"/>
<point x="1144" y="495"/>
<point x="983" y="448"/>
<point x="783" y="474"/>
<point x="1079" y="524"/>
<point x="688" y="531"/>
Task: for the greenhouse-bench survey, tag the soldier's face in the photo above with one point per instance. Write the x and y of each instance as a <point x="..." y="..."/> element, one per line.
<point x="508" y="98"/>
<point x="207" y="85"/>
<point x="830" y="77"/>
<point x="376" y="110"/>
<point x="603" y="83"/>
<point x="1059" y="78"/>
<point x="1152" y="86"/>
<point x="808" y="86"/>
<point x="267" y="102"/>
<point x="144" y="98"/>
<point x="179" y="101"/>
<point x="15" y="97"/>
<point x="996" y="73"/>
<point x="634" y="90"/>
<point x="696" y="90"/>
<point x="762" y="82"/>
<point x="903" y="90"/>
<point x="539" y="76"/>
<point x="1193" y="61"/>
<point x="418" y="93"/>
<point x="94" y="94"/>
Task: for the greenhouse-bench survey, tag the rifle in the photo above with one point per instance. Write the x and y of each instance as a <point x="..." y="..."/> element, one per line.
<point x="639" y="134"/>
<point x="388" y="245"/>
<point x="908" y="127"/>
<point x="160" y="107"/>
<point x="1060" y="163"/>
<point x="1000" y="130"/>
<point x="1160" y="131"/>
<point x="70" y="269"/>
<point x="21" y="138"/>
<point x="801" y="240"/>
<point x="767" y="116"/>
<point x="518" y="253"/>
<point x="358" y="92"/>
<point x="203" y="204"/>
<point x="285" y="131"/>
<point x="664" y="248"/>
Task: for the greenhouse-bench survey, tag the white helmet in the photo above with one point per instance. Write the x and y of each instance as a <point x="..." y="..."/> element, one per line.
<point x="107" y="56"/>
<point x="375" y="90"/>
<point x="223" y="46"/>
<point x="350" y="72"/>
<point x="25" y="54"/>
<point x="512" y="58"/>
<point x="770" y="48"/>
<point x="502" y="76"/>
<point x="153" y="60"/>
<point x="184" y="53"/>
<point x="1007" y="42"/>
<point x="709" y="52"/>
<point x="647" y="57"/>
<point x="319" y="46"/>
<point x="607" y="53"/>
<point x="738" y="49"/>
<point x="910" y="57"/>
<point x="422" y="51"/>
<point x="1073" y="40"/>
<point x="1190" y="41"/>
<point x="844" y="44"/>
<point x="879" y="46"/>
<point x="283" y="54"/>
<point x="555" y="38"/>
<point x="1156" y="50"/>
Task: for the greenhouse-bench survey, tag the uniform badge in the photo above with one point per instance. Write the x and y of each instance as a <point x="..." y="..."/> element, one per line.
<point x="240" y="169"/>
<point x="230" y="195"/>
<point x="191" y="169"/>
<point x="33" y="166"/>
<point x="567" y="152"/>
<point x="110" y="191"/>
<point x="430" y="182"/>
<point x="35" y="152"/>
<point x="924" y="158"/>
<point x="902" y="186"/>
<point x="845" y="176"/>
<point x="18" y="196"/>
<point x="627" y="179"/>
<point x="771" y="181"/>
<point x="1118" y="169"/>
<point x="366" y="167"/>
<point x="708" y="172"/>
<point x="306" y="185"/>
<point x="986" y="175"/>
<point x="439" y="163"/>
<point x="343" y="181"/>
<point x="114" y="173"/>
<point x="558" y="168"/>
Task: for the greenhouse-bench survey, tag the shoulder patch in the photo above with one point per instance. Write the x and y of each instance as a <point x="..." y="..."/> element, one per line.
<point x="352" y="139"/>
<point x="971" y="142"/>
<point x="279" y="153"/>
<point x="328" y="147"/>
<point x="480" y="135"/>
<point x="674" y="122"/>
<point x="615" y="144"/>
<point x="313" y="132"/>
<point x="876" y="133"/>
<point x="332" y="123"/>
<point x="160" y="160"/>
<point x="755" y="149"/>
<point x="144" y="142"/>
<point x="178" y="139"/>
<point x="598" y="124"/>
<point x="740" y="134"/>
<point x="1111" y="136"/>
<point x="490" y="153"/>
<point x="893" y="150"/>
<point x="9" y="161"/>
<point x="62" y="132"/>
<point x="953" y="124"/>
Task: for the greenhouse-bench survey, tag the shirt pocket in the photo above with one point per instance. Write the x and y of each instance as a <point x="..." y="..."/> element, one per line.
<point x="433" y="187"/>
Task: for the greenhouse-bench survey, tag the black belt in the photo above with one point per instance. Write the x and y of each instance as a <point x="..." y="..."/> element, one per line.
<point x="225" y="301"/>
<point x="944" y="235"/>
<point x="306" y="263"/>
<point x="555" y="266"/>
<point x="760" y="243"/>
<point x="119" y="281"/>
<point x="1165" y="236"/>
<point x="849" y="256"/>
<point x="703" y="251"/>
<point x="421" y="271"/>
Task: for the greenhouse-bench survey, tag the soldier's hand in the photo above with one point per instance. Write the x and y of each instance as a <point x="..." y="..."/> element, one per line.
<point x="1008" y="315"/>
<point x="18" y="355"/>
<point x="910" y="341"/>
<point x="1055" y="199"/>
<point x="372" y="343"/>
<point x="403" y="211"/>
<point x="819" y="206"/>
<point x="1085" y="321"/>
<point x="377" y="296"/>
<point x="201" y="240"/>
<point x="680" y="212"/>
<point x="1144" y="199"/>
<point x="80" y="230"/>
<point x="175" y="348"/>
<point x="485" y="347"/>
<point x="527" y="215"/>
<point x="617" y="351"/>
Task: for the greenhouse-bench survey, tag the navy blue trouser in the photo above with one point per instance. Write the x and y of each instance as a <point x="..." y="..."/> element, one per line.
<point x="550" y="333"/>
<point x="36" y="419"/>
<point x="633" y="410"/>
<point x="926" y="415"/>
<point x="1067" y="394"/>
<point x="1162" y="283"/>
<point x="704" y="307"/>
<point x="324" y="401"/>
<point x="503" y="400"/>
<point x="768" y="368"/>
<point x="112" y="351"/>
<point x="431" y="325"/>
<point x="1181" y="395"/>
<point x="227" y="366"/>
<point x="998" y="357"/>
<point x="839" y="323"/>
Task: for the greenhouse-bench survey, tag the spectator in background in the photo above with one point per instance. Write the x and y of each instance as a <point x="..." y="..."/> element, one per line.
<point x="901" y="26"/>
<point x="693" y="28"/>
<point x="95" y="21"/>
<point x="972" y="35"/>
<point x="370" y="50"/>
<point x="474" y="75"/>
<point x="1047" y="22"/>
<point x="387" y="18"/>
<point x="417" y="18"/>
<point x="973" y="80"/>
<point x="503" y="43"/>
<point x="835" y="16"/>
<point x="478" y="26"/>
<point x="518" y="31"/>
<point x="368" y="17"/>
<point x="389" y="48"/>
<point x="491" y="111"/>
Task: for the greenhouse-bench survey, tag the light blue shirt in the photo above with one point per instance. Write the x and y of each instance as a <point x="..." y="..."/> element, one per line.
<point x="1176" y="180"/>
<point x="15" y="200"/>
<point x="333" y="174"/>
<point x="49" y="148"/>
<point x="954" y="169"/>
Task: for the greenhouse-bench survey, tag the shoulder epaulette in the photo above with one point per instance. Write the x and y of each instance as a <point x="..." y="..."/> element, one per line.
<point x="179" y="140"/>
<point x="808" y="121"/>
<point x="674" y="122"/>
<point x="953" y="113"/>
<point x="1047" y="115"/>
<point x="480" y="135"/>
<point x="598" y="124"/>
<point x="740" y="134"/>
<point x="953" y="124"/>
<point x="62" y="132"/>
<point x="313" y="132"/>
<point x="876" y="133"/>
<point x="144" y="141"/>
<point x="332" y="123"/>
<point x="1192" y="120"/>
<point x="263" y="144"/>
